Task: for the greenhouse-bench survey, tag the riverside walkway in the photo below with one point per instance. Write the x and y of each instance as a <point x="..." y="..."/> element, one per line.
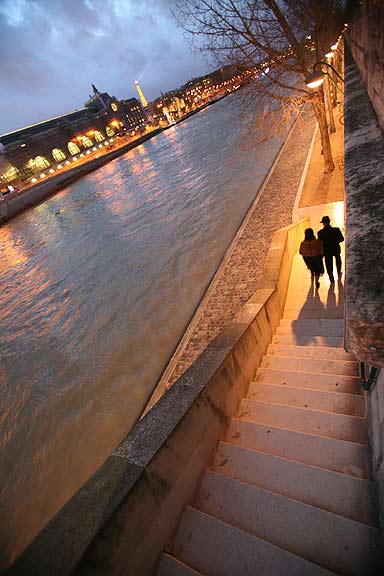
<point x="288" y="490"/>
<point x="240" y="272"/>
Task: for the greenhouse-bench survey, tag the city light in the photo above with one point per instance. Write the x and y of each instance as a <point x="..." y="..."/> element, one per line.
<point x="33" y="180"/>
<point x="74" y="158"/>
<point x="42" y="175"/>
<point x="51" y="171"/>
<point x="59" y="166"/>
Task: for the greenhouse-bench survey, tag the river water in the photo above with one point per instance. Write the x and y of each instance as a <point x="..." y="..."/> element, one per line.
<point x="97" y="286"/>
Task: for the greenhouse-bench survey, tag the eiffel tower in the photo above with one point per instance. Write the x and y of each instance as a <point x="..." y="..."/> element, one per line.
<point x="143" y="99"/>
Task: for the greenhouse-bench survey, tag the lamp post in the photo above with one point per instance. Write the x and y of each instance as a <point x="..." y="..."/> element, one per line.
<point x="315" y="81"/>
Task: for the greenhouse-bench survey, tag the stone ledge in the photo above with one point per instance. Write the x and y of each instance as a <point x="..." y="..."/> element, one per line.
<point x="364" y="181"/>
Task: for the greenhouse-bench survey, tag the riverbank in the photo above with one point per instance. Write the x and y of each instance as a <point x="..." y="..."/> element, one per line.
<point x="239" y="273"/>
<point x="38" y="192"/>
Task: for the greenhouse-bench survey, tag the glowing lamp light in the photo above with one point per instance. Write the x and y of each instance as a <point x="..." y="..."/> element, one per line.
<point x="88" y="152"/>
<point x="315" y="79"/>
<point x="81" y="155"/>
<point x="59" y="166"/>
<point x="105" y="143"/>
<point x="334" y="47"/>
<point x="74" y="158"/>
<point x="42" y="175"/>
<point x="34" y="180"/>
<point x="100" y="145"/>
<point x="111" y="140"/>
<point x="67" y="163"/>
<point x="329" y="55"/>
<point x="51" y="171"/>
<point x="94" y="149"/>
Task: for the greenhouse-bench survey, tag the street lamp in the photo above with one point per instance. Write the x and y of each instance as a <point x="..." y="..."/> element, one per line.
<point x="317" y="77"/>
<point x="314" y="82"/>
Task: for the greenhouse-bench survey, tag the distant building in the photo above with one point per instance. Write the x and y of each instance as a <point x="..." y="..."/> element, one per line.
<point x="33" y="150"/>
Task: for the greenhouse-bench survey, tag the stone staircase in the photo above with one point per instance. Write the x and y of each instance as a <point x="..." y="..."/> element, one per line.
<point x="288" y="491"/>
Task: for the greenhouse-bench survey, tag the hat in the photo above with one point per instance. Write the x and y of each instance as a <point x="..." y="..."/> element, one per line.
<point x="325" y="220"/>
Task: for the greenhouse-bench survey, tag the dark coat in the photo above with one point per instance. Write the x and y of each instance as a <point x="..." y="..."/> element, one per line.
<point x="331" y="238"/>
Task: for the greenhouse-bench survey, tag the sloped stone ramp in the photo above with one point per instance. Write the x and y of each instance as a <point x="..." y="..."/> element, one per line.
<point x="289" y="489"/>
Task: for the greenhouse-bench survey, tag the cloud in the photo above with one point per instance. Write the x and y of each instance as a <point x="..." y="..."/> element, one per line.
<point x="53" y="50"/>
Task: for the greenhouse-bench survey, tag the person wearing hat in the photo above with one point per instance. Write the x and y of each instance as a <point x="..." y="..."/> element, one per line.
<point x="331" y="238"/>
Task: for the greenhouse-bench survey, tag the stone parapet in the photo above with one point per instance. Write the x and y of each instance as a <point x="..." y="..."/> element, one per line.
<point x="364" y="185"/>
<point x="122" y="519"/>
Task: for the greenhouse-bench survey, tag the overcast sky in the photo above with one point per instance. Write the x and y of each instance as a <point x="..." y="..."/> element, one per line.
<point x="52" y="50"/>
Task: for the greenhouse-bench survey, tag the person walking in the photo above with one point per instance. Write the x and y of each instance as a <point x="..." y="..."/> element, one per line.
<point x="311" y="250"/>
<point x="331" y="238"/>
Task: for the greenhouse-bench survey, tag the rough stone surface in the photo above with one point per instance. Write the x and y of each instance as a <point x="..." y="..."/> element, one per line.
<point x="239" y="275"/>
<point x="366" y="40"/>
<point x="364" y="179"/>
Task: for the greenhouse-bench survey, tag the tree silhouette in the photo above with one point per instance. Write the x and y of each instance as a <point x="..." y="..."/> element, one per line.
<point x="278" y="39"/>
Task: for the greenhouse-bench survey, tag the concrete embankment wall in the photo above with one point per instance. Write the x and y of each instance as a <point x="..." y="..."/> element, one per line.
<point x="37" y="193"/>
<point x="121" y="520"/>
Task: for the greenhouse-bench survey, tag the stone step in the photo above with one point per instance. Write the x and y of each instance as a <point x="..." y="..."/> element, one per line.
<point x="216" y="548"/>
<point x="312" y="313"/>
<point x="170" y="566"/>
<point x="337" y="402"/>
<point x="337" y="543"/>
<point x="310" y="328"/>
<point x="324" y="323"/>
<point x="327" y="382"/>
<point x="341" y="426"/>
<point x="344" y="367"/>
<point x="314" y="352"/>
<point x="330" y="453"/>
<point x="338" y="493"/>
<point x="305" y="339"/>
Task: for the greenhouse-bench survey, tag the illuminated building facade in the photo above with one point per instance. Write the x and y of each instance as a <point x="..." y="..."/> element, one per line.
<point x="45" y="147"/>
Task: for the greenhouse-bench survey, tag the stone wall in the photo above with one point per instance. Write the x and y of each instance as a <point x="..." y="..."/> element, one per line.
<point x="366" y="40"/>
<point x="123" y="518"/>
<point x="376" y="436"/>
<point x="364" y="185"/>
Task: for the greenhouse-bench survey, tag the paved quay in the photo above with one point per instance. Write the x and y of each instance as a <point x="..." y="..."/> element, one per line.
<point x="239" y="274"/>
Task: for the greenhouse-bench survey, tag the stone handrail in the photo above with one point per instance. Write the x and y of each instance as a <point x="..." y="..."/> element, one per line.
<point x="122" y="519"/>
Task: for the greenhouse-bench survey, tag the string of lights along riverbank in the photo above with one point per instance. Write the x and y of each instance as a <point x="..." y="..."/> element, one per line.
<point x="99" y="283"/>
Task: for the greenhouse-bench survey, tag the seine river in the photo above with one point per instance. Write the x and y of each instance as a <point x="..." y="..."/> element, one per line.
<point x="98" y="284"/>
